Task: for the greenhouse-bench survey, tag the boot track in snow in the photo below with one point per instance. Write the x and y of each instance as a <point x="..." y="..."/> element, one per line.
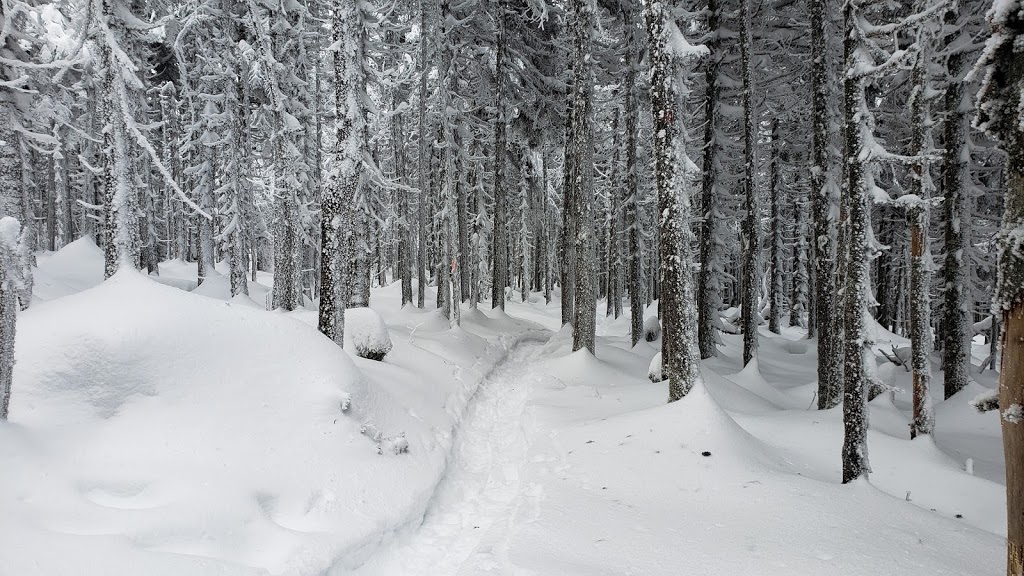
<point x="480" y="488"/>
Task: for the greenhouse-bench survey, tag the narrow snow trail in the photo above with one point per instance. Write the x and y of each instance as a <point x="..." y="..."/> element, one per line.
<point x="482" y="481"/>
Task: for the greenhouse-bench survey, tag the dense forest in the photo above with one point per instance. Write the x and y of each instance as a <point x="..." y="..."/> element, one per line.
<point x="830" y="165"/>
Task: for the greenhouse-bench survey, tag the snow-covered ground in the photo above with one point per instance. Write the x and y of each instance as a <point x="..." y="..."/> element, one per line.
<point x="157" y="431"/>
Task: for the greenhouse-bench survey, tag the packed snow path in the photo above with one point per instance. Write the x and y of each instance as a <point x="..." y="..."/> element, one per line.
<point x="482" y="485"/>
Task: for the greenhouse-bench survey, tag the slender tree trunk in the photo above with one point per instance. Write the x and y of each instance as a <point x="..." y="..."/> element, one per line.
<point x="751" y="278"/>
<point x="830" y="350"/>
<point x="709" y="295"/>
<point x="581" y="149"/>
<point x="857" y="351"/>
<point x="920" y="256"/>
<point x="956" y="348"/>
<point x="631" y="211"/>
<point x="423" y="158"/>
<point x="499" y="236"/>
<point x="776" y="273"/>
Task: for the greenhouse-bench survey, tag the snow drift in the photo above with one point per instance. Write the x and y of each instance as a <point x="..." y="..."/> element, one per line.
<point x="181" y="434"/>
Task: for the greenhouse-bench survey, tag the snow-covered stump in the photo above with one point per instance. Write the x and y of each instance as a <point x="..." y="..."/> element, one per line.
<point x="654" y="370"/>
<point x="652" y="329"/>
<point x="368" y="332"/>
<point x="15" y="277"/>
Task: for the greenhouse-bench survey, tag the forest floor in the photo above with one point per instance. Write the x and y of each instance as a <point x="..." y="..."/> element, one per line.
<point x="160" y="428"/>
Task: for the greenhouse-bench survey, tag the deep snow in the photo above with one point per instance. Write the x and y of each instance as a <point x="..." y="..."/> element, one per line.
<point x="156" y="431"/>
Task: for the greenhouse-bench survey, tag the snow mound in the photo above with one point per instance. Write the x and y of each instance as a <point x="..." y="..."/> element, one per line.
<point x="654" y="370"/>
<point x="368" y="333"/>
<point x="165" y="424"/>
<point x="75" y="267"/>
<point x="652" y="328"/>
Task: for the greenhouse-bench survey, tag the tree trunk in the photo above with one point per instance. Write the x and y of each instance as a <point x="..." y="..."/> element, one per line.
<point x="857" y="352"/>
<point x="680" y="358"/>
<point x="751" y="275"/>
<point x="776" y="273"/>
<point x="830" y="350"/>
<point x="581" y="145"/>
<point x="956" y="345"/>
<point x="709" y="296"/>
<point x="631" y="209"/>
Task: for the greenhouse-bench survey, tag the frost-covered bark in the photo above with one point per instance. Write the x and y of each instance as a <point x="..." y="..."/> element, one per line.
<point x="668" y="56"/>
<point x="750" y="283"/>
<point x="823" y="207"/>
<point x="798" y="304"/>
<point x="289" y="177"/>
<point x="917" y="207"/>
<point x="856" y="352"/>
<point x="566" y="240"/>
<point x="120" y="199"/>
<point x="174" y="216"/>
<point x="15" y="287"/>
<point x="1000" y="101"/>
<point x="709" y="297"/>
<point x="613" y="293"/>
<point x="581" y="145"/>
<point x="423" y="156"/>
<point x="776" y="280"/>
<point x="339" y="191"/>
<point x="630" y="209"/>
<point x="956" y="348"/>
<point x="499" y="237"/>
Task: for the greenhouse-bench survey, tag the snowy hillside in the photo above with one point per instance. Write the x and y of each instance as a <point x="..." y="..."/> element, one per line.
<point x="157" y="431"/>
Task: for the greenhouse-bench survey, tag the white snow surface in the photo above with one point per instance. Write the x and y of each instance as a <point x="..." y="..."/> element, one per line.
<point x="156" y="431"/>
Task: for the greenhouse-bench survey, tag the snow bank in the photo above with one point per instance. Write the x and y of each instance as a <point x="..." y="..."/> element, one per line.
<point x="184" y="435"/>
<point x="75" y="267"/>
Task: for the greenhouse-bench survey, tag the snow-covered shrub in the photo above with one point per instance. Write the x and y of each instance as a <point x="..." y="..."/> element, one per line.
<point x="986" y="401"/>
<point x="652" y="329"/>
<point x="654" y="371"/>
<point x="393" y="445"/>
<point x="396" y="444"/>
<point x="368" y="333"/>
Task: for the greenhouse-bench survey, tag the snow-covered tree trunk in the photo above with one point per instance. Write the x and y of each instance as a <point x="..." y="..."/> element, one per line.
<point x="751" y="273"/>
<point x="15" y="287"/>
<point x="631" y="221"/>
<point x="423" y="156"/>
<point x="343" y="179"/>
<point x="776" y="289"/>
<point x="798" y="305"/>
<point x="857" y="352"/>
<point x="917" y="205"/>
<point x="120" y="200"/>
<point x="566" y="240"/>
<point x="956" y="347"/>
<point x="830" y="348"/>
<point x="668" y="56"/>
<point x="499" y="235"/>
<point x="1000" y="101"/>
<point x="581" y="144"/>
<point x="11" y="191"/>
<point x="240" y="208"/>
<point x="173" y="213"/>
<point x="709" y="296"/>
<point x="613" y="295"/>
